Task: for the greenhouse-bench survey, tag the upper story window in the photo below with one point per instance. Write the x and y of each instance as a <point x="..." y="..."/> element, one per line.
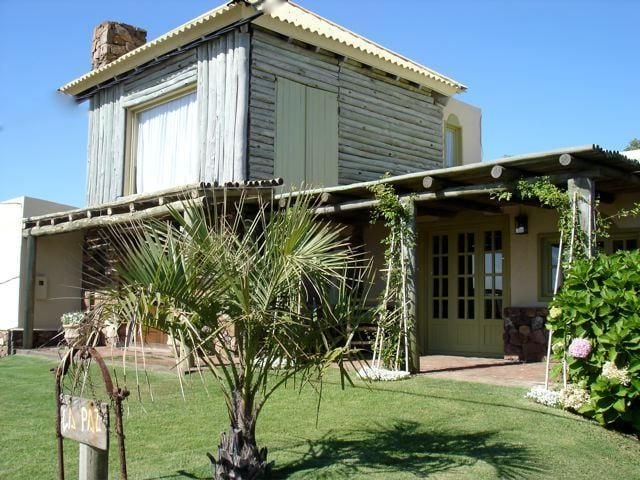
<point x="452" y="142"/>
<point x="163" y="144"/>
<point x="306" y="135"/>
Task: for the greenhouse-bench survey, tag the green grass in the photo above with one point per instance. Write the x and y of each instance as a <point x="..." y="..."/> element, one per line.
<point x="410" y="429"/>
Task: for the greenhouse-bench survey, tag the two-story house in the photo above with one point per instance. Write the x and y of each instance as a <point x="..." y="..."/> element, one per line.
<point x="243" y="94"/>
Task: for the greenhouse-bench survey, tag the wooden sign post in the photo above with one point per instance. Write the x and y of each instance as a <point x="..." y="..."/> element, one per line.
<point x="87" y="422"/>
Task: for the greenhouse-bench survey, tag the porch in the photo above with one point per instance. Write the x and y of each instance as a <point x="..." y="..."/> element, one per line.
<point x="470" y="262"/>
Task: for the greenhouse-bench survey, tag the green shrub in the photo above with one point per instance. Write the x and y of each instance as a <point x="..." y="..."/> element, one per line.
<point x="599" y="301"/>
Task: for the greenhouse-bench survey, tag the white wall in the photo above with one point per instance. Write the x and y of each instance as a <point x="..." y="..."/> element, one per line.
<point x="13" y="262"/>
<point x="10" y="261"/>
<point x="470" y="122"/>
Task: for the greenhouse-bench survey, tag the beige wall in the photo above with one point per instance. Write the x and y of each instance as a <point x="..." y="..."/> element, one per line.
<point x="373" y="236"/>
<point x="470" y="122"/>
<point x="525" y="261"/>
<point x="525" y="249"/>
<point x="59" y="261"/>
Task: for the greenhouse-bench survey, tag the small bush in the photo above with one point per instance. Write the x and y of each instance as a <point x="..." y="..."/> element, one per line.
<point x="599" y="302"/>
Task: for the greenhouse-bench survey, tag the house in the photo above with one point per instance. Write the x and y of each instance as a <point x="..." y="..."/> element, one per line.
<point x="243" y="95"/>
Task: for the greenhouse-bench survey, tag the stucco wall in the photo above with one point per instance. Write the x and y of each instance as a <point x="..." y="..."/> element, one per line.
<point x="470" y="119"/>
<point x="525" y="261"/>
<point x="525" y="249"/>
<point x="373" y="235"/>
<point x="59" y="261"/>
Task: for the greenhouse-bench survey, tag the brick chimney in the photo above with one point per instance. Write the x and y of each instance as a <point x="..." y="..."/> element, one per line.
<point x="112" y="40"/>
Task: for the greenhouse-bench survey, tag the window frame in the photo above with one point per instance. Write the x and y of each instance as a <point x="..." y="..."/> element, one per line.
<point x="132" y="111"/>
<point x="452" y="123"/>
<point x="546" y="240"/>
<point x="545" y="285"/>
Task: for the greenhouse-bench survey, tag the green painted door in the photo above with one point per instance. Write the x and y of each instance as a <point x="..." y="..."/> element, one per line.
<point x="466" y="289"/>
<point x="306" y="135"/>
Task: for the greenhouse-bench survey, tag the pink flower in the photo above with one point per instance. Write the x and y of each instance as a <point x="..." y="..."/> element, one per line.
<point x="580" y="348"/>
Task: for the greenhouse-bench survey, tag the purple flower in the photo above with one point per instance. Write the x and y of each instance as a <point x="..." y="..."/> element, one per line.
<point x="580" y="348"/>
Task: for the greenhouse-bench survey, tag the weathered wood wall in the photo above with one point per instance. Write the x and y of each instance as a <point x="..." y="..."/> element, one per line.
<point x="384" y="125"/>
<point x="219" y="71"/>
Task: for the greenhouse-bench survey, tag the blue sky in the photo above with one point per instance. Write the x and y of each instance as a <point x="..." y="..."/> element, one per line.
<point x="546" y="73"/>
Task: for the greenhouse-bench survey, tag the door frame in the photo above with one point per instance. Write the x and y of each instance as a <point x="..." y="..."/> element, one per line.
<point x="426" y="231"/>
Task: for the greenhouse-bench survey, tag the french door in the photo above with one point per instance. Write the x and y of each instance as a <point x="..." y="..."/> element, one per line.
<point x="466" y="289"/>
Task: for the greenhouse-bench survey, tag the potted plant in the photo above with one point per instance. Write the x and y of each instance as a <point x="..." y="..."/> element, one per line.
<point x="72" y="324"/>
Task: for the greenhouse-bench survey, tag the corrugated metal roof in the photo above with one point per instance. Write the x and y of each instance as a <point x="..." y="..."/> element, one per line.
<point x="288" y="19"/>
<point x="614" y="171"/>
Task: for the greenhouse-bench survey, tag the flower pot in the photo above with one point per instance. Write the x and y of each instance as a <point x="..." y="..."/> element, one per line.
<point x="74" y="335"/>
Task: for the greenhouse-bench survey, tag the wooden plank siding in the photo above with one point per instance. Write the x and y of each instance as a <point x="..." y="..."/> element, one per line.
<point x="383" y="125"/>
<point x="219" y="70"/>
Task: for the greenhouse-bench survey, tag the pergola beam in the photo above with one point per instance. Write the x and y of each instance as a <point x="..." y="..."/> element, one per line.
<point x="600" y="171"/>
<point x="457" y="192"/>
<point x="111" y="220"/>
<point x="499" y="172"/>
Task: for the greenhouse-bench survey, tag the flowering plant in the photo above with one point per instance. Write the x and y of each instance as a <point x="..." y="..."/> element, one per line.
<point x="580" y="348"/>
<point x="555" y="312"/>
<point x="573" y="397"/>
<point x="541" y="395"/>
<point x="599" y="305"/>
<point x="382" y="374"/>
<point x="621" y="375"/>
<point x="72" y="318"/>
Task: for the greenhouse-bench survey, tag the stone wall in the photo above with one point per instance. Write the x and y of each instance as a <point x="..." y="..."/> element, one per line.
<point x="12" y="339"/>
<point x="525" y="336"/>
<point x="112" y="40"/>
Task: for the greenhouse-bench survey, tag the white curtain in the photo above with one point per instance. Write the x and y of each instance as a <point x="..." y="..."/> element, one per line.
<point x="167" y="145"/>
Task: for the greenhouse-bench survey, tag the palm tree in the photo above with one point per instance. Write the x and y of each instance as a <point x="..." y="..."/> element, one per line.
<point x="258" y="300"/>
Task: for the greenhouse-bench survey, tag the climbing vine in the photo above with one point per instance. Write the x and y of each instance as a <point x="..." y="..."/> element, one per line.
<point x="552" y="196"/>
<point x="393" y="313"/>
<point x="581" y="243"/>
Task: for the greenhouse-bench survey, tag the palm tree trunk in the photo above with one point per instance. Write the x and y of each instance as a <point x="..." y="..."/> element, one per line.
<point x="238" y="455"/>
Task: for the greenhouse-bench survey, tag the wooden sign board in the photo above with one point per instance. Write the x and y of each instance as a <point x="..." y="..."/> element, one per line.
<point x="85" y="421"/>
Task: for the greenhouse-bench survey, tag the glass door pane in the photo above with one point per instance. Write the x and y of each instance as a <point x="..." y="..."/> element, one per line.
<point x="493" y="274"/>
<point x="440" y="277"/>
<point x="466" y="281"/>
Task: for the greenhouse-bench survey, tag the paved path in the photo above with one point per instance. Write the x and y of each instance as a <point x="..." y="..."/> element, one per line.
<point x="469" y="369"/>
<point x="483" y="370"/>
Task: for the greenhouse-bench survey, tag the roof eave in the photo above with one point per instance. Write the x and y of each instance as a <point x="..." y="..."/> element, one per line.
<point x="435" y="82"/>
<point x="226" y="15"/>
<point x="176" y="38"/>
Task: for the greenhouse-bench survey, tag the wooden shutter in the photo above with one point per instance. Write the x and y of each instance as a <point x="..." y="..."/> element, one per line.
<point x="290" y="132"/>
<point x="306" y="135"/>
<point x="322" y="138"/>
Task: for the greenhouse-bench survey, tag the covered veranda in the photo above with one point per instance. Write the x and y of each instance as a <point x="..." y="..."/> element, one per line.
<point x="457" y="310"/>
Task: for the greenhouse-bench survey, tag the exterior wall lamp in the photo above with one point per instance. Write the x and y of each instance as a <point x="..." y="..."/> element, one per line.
<point x="522" y="225"/>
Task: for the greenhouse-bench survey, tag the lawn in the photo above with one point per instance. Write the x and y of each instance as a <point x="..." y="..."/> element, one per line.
<point x="410" y="429"/>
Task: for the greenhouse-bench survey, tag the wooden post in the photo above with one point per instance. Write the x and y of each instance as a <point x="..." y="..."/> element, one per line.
<point x="583" y="189"/>
<point x="30" y="293"/>
<point x="410" y="255"/>
<point x="94" y="463"/>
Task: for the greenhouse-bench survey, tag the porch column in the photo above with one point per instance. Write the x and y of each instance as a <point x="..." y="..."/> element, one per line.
<point x="29" y="299"/>
<point x="582" y="189"/>
<point x="409" y="254"/>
